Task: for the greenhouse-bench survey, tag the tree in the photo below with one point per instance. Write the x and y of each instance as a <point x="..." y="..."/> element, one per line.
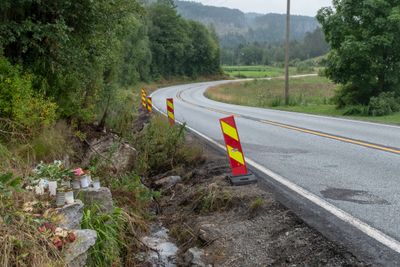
<point x="365" y="56"/>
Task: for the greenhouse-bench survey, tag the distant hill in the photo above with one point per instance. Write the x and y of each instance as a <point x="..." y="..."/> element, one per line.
<point x="235" y="27"/>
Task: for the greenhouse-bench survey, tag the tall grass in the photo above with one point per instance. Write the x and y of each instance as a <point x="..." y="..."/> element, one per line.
<point x="109" y="243"/>
<point x="51" y="143"/>
<point x="162" y="148"/>
<point x="269" y="93"/>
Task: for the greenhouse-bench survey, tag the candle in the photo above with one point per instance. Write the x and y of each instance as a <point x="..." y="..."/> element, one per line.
<point x="69" y="197"/>
<point x="60" y="200"/>
<point x="52" y="188"/>
<point x="84" y="181"/>
<point x="76" y="184"/>
<point x="96" y="184"/>
<point x="39" y="190"/>
<point x="66" y="183"/>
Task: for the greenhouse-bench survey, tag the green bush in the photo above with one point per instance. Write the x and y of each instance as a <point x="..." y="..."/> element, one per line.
<point x="18" y="101"/>
<point x="162" y="148"/>
<point x="304" y="67"/>
<point x="385" y="104"/>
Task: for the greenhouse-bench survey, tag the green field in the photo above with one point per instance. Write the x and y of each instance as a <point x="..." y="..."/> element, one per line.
<point x="257" y="71"/>
<point x="253" y="71"/>
<point x="311" y="95"/>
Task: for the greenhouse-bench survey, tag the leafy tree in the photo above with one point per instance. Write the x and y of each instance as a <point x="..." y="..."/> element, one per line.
<point x="365" y="55"/>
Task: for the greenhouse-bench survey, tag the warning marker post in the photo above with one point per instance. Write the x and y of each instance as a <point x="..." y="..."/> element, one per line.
<point x="240" y="174"/>
<point x="144" y="100"/>
<point x="149" y="104"/>
<point x="171" y="111"/>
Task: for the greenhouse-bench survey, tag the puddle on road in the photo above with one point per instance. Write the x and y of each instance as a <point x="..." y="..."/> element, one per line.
<point x="355" y="196"/>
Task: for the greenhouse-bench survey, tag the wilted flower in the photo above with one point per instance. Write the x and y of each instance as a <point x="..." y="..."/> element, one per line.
<point x="79" y="172"/>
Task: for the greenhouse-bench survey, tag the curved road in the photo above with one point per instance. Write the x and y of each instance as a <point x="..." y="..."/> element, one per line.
<point x="341" y="176"/>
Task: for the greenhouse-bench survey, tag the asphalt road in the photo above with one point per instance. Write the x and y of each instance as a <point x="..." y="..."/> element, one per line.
<point x="344" y="168"/>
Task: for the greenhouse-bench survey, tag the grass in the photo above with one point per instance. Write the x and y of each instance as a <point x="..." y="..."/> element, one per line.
<point x="256" y="71"/>
<point x="312" y="95"/>
<point x="109" y="228"/>
<point x="269" y="93"/>
<point x="21" y="244"/>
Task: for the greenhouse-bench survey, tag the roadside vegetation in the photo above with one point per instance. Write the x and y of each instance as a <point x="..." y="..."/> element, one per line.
<point x="71" y="72"/>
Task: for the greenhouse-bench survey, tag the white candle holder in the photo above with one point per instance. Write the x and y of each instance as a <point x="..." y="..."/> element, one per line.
<point x="76" y="184"/>
<point x="96" y="184"/>
<point x="69" y="197"/>
<point x="66" y="183"/>
<point x="52" y="188"/>
<point x="60" y="200"/>
<point x="85" y="181"/>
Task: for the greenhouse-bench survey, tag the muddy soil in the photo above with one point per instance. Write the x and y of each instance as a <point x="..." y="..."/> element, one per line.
<point x="240" y="226"/>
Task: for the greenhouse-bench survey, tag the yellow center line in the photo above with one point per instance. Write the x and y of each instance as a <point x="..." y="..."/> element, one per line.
<point x="343" y="139"/>
<point x="330" y="136"/>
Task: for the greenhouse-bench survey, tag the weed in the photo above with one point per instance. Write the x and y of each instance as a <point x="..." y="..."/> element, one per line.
<point x="130" y="193"/>
<point x="256" y="204"/>
<point x="213" y="198"/>
<point x="162" y="148"/>
<point x="184" y="234"/>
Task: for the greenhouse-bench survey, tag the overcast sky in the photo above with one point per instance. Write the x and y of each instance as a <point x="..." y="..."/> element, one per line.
<point x="299" y="7"/>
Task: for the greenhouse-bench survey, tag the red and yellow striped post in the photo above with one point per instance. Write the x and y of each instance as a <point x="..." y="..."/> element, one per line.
<point x="144" y="101"/>
<point x="233" y="146"/>
<point x="240" y="173"/>
<point x="170" y="111"/>
<point x="149" y="104"/>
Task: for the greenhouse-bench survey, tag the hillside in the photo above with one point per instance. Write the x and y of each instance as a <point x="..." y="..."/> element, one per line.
<point x="235" y="27"/>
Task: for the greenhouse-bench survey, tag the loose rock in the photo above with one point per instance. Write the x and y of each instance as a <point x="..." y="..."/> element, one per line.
<point x="111" y="153"/>
<point x="71" y="215"/>
<point x="76" y="253"/>
<point x="209" y="233"/>
<point x="166" y="251"/>
<point x="101" y="197"/>
<point x="168" y="182"/>
<point x="193" y="258"/>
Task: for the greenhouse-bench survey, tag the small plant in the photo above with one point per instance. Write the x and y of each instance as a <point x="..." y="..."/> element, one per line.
<point x="9" y="184"/>
<point x="54" y="171"/>
<point x="213" y="198"/>
<point x="256" y="204"/>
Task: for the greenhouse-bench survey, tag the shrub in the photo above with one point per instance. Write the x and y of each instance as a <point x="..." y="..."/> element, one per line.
<point x="162" y="148"/>
<point x="18" y="101"/>
<point x="303" y="67"/>
<point x="385" y="104"/>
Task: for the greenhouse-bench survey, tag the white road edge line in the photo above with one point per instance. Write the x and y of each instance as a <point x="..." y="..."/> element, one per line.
<point x="341" y="214"/>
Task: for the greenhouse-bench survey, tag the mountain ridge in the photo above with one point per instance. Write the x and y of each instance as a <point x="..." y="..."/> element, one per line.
<point x="234" y="26"/>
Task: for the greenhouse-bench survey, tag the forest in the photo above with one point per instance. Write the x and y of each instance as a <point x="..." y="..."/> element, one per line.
<point x="257" y="39"/>
<point x="67" y="59"/>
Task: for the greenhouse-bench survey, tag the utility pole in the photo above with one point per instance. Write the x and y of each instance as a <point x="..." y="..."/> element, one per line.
<point x="287" y="53"/>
